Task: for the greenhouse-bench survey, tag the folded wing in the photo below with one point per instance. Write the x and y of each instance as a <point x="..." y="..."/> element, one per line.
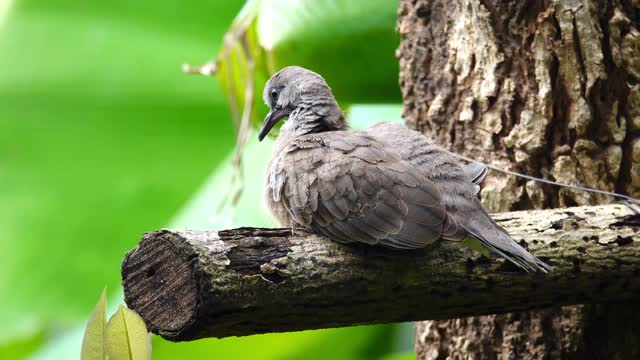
<point x="352" y="188"/>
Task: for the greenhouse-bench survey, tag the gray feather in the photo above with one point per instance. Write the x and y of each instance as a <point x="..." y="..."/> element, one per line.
<point x="385" y="185"/>
<point x="476" y="172"/>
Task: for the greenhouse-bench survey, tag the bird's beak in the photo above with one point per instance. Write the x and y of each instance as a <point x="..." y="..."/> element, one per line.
<point x="271" y="119"/>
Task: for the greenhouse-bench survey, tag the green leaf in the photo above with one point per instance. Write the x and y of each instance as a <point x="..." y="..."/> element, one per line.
<point x="331" y="37"/>
<point x="127" y="336"/>
<point x="93" y="342"/>
<point x="352" y="43"/>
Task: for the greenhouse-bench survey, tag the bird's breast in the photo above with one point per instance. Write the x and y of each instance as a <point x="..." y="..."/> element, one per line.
<point x="273" y="191"/>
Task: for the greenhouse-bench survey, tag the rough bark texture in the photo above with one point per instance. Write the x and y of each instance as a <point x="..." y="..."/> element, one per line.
<point x="193" y="284"/>
<point x="548" y="88"/>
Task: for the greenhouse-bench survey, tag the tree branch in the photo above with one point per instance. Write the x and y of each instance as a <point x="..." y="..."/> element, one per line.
<point x="188" y="285"/>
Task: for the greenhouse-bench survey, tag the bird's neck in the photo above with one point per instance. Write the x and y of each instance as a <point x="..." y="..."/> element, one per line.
<point x="308" y="123"/>
<point x="313" y="118"/>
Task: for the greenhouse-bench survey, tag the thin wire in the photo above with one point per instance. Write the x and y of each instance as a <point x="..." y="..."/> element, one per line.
<point x="550" y="182"/>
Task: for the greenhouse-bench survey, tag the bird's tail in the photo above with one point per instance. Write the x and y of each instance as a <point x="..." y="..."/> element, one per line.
<point x="480" y="225"/>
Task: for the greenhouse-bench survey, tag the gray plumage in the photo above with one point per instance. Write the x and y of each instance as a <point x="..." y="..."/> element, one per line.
<point x="385" y="185"/>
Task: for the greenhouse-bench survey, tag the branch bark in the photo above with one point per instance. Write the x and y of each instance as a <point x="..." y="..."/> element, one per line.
<point x="188" y="285"/>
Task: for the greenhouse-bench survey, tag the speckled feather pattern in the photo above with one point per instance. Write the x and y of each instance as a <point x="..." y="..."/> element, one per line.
<point x="385" y="185"/>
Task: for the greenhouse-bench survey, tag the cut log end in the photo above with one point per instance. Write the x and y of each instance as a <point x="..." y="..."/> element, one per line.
<point x="159" y="283"/>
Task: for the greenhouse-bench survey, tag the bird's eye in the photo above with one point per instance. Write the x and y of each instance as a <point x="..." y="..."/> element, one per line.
<point x="274" y="94"/>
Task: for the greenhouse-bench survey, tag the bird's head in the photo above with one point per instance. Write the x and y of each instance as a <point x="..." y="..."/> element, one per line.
<point x="305" y="98"/>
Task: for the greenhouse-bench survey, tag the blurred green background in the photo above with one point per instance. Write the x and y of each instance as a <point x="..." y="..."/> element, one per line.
<point x="103" y="138"/>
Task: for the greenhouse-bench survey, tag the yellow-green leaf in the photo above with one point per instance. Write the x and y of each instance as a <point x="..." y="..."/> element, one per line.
<point x="331" y="37"/>
<point x="127" y="336"/>
<point x="94" y="335"/>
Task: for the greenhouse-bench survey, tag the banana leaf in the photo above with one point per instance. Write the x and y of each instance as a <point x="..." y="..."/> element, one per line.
<point x="351" y="43"/>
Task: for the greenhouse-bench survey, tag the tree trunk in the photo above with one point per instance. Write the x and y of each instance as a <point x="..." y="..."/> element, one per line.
<point x="546" y="88"/>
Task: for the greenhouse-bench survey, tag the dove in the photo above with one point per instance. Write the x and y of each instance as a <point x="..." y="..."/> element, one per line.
<point x="386" y="185"/>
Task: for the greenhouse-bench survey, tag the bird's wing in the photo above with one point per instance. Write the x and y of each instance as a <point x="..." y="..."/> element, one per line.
<point x="472" y="217"/>
<point x="476" y="172"/>
<point x="353" y="188"/>
<point x="458" y="186"/>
